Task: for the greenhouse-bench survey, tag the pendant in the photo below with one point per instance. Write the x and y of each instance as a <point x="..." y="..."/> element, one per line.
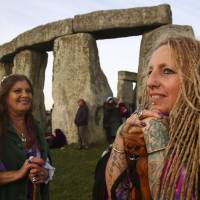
<point x="23" y="138"/>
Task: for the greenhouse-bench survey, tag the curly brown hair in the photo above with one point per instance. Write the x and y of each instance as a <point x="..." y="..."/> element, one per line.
<point x="5" y="86"/>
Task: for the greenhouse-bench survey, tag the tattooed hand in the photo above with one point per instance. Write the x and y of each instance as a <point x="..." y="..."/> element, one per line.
<point x="135" y="144"/>
<point x="117" y="161"/>
<point x="156" y="139"/>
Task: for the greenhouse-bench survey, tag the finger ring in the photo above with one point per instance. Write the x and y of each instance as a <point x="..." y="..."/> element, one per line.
<point x="30" y="159"/>
<point x="138" y="113"/>
<point x="34" y="179"/>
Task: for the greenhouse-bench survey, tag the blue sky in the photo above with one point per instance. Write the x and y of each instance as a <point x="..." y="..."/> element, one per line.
<point x="115" y="54"/>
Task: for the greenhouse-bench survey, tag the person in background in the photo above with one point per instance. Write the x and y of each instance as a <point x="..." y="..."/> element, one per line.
<point x="112" y="119"/>
<point x="24" y="167"/>
<point x="81" y="121"/>
<point x="56" y="140"/>
<point x="124" y="111"/>
<point x="49" y="139"/>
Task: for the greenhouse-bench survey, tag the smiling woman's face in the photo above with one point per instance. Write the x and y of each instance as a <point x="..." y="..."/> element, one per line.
<point x="19" y="98"/>
<point x="163" y="82"/>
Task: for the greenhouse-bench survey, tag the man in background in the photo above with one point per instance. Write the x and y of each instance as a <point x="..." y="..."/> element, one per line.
<point x="81" y="121"/>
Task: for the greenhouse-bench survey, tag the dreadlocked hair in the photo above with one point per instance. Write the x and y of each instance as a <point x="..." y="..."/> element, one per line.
<point x="182" y="154"/>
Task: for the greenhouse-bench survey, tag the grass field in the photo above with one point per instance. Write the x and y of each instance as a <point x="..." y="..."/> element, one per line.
<point x="74" y="173"/>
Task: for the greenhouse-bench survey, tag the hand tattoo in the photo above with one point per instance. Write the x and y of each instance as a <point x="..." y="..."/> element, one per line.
<point x="156" y="137"/>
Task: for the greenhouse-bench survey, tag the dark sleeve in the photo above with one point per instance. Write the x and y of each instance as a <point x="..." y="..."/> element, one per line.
<point x="2" y="166"/>
<point x="106" y="119"/>
<point x="99" y="187"/>
<point x="82" y="116"/>
<point x="86" y="113"/>
<point x="76" y="120"/>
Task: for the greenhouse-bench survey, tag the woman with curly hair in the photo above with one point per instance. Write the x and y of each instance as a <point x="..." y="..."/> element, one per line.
<point x="24" y="166"/>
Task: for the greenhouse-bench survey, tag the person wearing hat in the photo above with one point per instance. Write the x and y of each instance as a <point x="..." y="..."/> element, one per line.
<point x="112" y="119"/>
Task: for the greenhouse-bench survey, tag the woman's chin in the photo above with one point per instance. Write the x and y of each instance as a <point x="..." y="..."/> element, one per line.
<point x="160" y="109"/>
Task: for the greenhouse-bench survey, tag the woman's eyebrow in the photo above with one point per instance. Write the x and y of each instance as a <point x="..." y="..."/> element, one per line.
<point x="160" y="65"/>
<point x="163" y="65"/>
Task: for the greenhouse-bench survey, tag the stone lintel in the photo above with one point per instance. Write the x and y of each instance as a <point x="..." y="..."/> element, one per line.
<point x="127" y="76"/>
<point x="39" y="38"/>
<point x="122" y="22"/>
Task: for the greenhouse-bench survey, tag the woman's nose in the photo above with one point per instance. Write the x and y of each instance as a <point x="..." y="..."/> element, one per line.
<point x="153" y="80"/>
<point x="25" y="93"/>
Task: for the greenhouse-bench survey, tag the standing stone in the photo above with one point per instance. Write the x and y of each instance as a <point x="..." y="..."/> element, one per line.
<point x="125" y="91"/>
<point x="33" y="64"/>
<point x="77" y="74"/>
<point x="5" y="69"/>
<point x="149" y="40"/>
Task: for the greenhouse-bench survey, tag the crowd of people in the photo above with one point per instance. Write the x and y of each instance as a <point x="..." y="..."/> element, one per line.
<point x="114" y="113"/>
<point x="155" y="151"/>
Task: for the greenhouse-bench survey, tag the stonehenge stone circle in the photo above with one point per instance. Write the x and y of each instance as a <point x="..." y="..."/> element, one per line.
<point x="76" y="68"/>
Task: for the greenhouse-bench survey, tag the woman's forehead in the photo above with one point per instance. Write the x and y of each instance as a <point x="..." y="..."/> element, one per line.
<point x="21" y="83"/>
<point x="161" y="55"/>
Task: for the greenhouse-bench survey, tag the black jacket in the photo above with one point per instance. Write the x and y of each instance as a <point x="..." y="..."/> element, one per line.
<point x="81" y="118"/>
<point x="111" y="115"/>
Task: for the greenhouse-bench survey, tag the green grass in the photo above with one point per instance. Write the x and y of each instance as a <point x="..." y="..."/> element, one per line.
<point x="74" y="175"/>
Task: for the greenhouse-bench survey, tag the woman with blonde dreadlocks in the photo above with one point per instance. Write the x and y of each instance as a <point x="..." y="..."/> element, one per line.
<point x="164" y="139"/>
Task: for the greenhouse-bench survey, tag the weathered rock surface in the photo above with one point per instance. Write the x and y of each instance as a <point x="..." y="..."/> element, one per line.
<point x="33" y="64"/>
<point x="77" y="74"/>
<point x="149" y="40"/>
<point x="5" y="69"/>
<point x="125" y="91"/>
<point x="123" y="22"/>
<point x="40" y="38"/>
<point x="128" y="76"/>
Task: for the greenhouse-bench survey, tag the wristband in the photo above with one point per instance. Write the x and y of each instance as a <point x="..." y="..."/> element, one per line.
<point x="118" y="151"/>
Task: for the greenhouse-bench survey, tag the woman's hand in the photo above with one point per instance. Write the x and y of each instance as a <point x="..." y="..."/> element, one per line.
<point x="134" y="144"/>
<point x="38" y="174"/>
<point x="24" y="169"/>
<point x="117" y="161"/>
<point x="137" y="117"/>
<point x="133" y="133"/>
<point x="11" y="176"/>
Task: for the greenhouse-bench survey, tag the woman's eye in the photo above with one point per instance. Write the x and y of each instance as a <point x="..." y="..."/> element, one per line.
<point x="17" y="91"/>
<point x="168" y="71"/>
<point x="28" y="91"/>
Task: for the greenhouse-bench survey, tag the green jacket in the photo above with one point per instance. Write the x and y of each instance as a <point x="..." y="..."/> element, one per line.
<point x="13" y="157"/>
